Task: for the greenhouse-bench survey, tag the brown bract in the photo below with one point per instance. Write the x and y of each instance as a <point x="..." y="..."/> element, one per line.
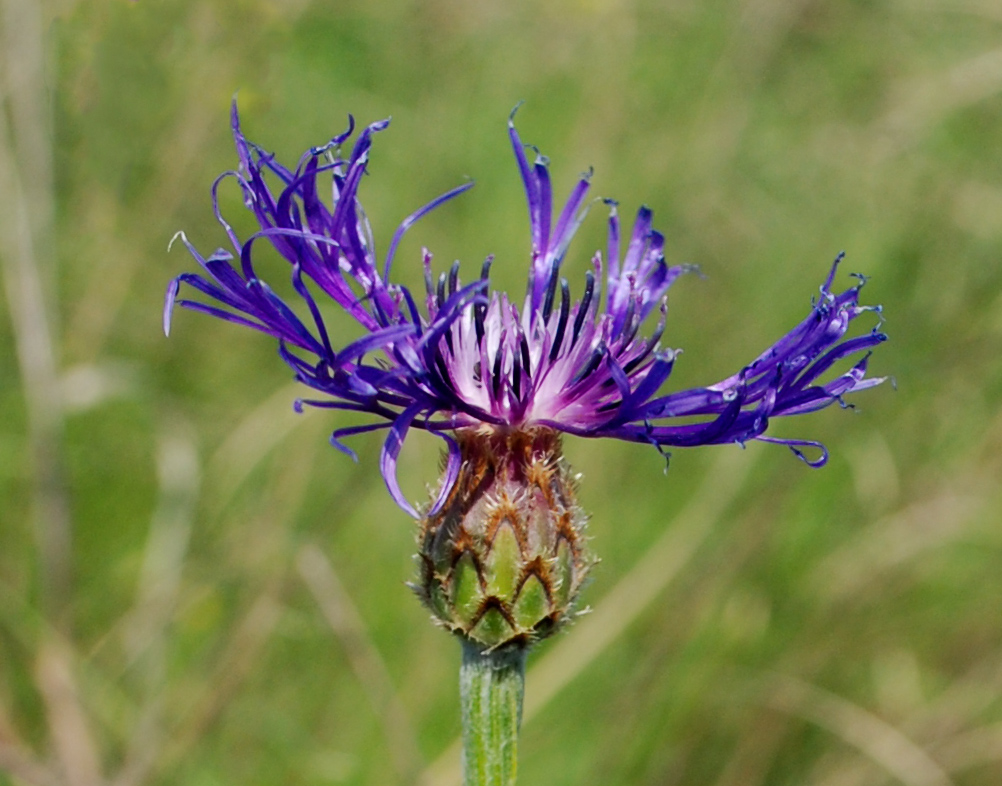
<point x="504" y="559"/>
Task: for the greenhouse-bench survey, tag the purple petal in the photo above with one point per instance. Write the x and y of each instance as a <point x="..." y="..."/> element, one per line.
<point x="414" y="218"/>
<point x="391" y="450"/>
<point x="452" y="464"/>
<point x="335" y="438"/>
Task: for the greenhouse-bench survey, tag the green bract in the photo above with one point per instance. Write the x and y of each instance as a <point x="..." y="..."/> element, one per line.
<point x="503" y="560"/>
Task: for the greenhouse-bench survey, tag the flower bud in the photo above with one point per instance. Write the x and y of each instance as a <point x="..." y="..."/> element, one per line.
<point x="503" y="560"/>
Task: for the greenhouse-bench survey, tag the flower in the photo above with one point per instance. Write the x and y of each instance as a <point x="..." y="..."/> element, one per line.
<point x="472" y="357"/>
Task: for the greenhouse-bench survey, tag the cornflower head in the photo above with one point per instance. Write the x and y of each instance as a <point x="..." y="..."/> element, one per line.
<point x="501" y="547"/>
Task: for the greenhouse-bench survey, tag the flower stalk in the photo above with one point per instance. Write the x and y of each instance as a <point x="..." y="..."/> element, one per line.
<point x="491" y="686"/>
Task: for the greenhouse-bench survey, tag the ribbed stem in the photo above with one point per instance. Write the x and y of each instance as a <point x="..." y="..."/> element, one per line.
<point x="491" y="685"/>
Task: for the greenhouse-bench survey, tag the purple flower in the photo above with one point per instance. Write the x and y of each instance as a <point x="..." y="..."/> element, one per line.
<point x="471" y="357"/>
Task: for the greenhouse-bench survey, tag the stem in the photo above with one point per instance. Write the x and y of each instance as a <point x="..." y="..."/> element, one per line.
<point x="491" y="685"/>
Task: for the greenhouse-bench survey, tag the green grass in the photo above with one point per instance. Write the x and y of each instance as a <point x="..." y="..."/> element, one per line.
<point x="832" y="628"/>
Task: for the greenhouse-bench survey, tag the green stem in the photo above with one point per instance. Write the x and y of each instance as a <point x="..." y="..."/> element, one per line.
<point x="491" y="685"/>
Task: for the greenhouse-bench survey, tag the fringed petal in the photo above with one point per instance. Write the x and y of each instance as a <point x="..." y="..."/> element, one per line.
<point x="471" y="358"/>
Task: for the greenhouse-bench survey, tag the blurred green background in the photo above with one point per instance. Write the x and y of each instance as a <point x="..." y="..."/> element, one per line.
<point x="196" y="589"/>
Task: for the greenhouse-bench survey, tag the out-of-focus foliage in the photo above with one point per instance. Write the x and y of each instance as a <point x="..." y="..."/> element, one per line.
<point x="234" y="609"/>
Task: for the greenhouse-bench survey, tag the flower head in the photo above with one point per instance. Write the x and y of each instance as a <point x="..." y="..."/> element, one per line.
<point x="469" y="357"/>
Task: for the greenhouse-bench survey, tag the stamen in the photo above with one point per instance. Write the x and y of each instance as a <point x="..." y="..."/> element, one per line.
<point x="496" y="376"/>
<point x="454" y="278"/>
<point x="624" y="328"/>
<point x="428" y="283"/>
<point x="440" y="296"/>
<point x="652" y="342"/>
<point x="593" y="361"/>
<point x="632" y="323"/>
<point x="479" y="311"/>
<point x="583" y="308"/>
<point x="565" y="310"/>
<point x="551" y="290"/>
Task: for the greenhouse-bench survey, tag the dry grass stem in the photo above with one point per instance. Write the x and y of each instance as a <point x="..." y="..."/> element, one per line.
<point x="25" y="232"/>
<point x="875" y="738"/>
<point x="69" y="726"/>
